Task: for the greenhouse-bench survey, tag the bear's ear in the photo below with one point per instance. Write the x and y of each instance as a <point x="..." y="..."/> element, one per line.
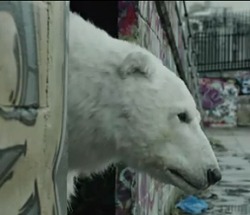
<point x="135" y="63"/>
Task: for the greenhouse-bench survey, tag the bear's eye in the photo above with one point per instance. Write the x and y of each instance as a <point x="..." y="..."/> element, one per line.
<point x="183" y="117"/>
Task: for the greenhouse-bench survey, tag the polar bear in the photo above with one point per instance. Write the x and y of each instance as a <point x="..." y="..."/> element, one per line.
<point x="124" y="105"/>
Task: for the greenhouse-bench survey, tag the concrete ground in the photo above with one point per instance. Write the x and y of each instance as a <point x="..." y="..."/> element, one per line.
<point x="232" y="194"/>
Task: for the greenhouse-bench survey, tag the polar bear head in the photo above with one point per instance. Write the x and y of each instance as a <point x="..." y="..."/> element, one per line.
<point x="158" y="131"/>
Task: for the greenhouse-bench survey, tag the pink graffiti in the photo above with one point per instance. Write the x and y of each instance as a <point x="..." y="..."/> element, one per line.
<point x="128" y="17"/>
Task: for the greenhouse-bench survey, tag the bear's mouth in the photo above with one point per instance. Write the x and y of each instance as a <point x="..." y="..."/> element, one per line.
<point x="178" y="175"/>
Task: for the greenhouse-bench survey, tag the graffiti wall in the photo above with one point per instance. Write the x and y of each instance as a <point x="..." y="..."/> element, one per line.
<point x="219" y="98"/>
<point x="139" y="22"/>
<point x="33" y="71"/>
<point x="243" y="81"/>
<point x="225" y="99"/>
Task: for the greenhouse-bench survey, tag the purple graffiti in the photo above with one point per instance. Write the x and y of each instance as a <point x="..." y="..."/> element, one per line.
<point x="211" y="97"/>
<point x="125" y="183"/>
<point x="147" y="194"/>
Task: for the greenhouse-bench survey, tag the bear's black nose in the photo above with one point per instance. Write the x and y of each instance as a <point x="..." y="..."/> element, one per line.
<point x="213" y="176"/>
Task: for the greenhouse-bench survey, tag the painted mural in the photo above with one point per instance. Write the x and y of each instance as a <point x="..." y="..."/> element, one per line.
<point x="127" y="20"/>
<point x="125" y="190"/>
<point x="243" y="80"/>
<point x="151" y="34"/>
<point x="139" y="22"/>
<point x="33" y="59"/>
<point x="224" y="99"/>
<point x="219" y="101"/>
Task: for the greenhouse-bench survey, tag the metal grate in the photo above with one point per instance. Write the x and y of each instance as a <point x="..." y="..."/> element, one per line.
<point x="222" y="41"/>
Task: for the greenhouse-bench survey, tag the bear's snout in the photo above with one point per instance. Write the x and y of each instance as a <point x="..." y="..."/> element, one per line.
<point x="213" y="176"/>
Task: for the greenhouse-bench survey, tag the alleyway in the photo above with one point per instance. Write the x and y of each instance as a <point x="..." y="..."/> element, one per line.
<point x="232" y="194"/>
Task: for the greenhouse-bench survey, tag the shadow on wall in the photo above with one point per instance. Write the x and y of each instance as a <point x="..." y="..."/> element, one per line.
<point x="95" y="195"/>
<point x="103" y="14"/>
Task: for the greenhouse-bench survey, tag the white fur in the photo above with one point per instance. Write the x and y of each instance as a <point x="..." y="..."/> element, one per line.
<point x="123" y="105"/>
